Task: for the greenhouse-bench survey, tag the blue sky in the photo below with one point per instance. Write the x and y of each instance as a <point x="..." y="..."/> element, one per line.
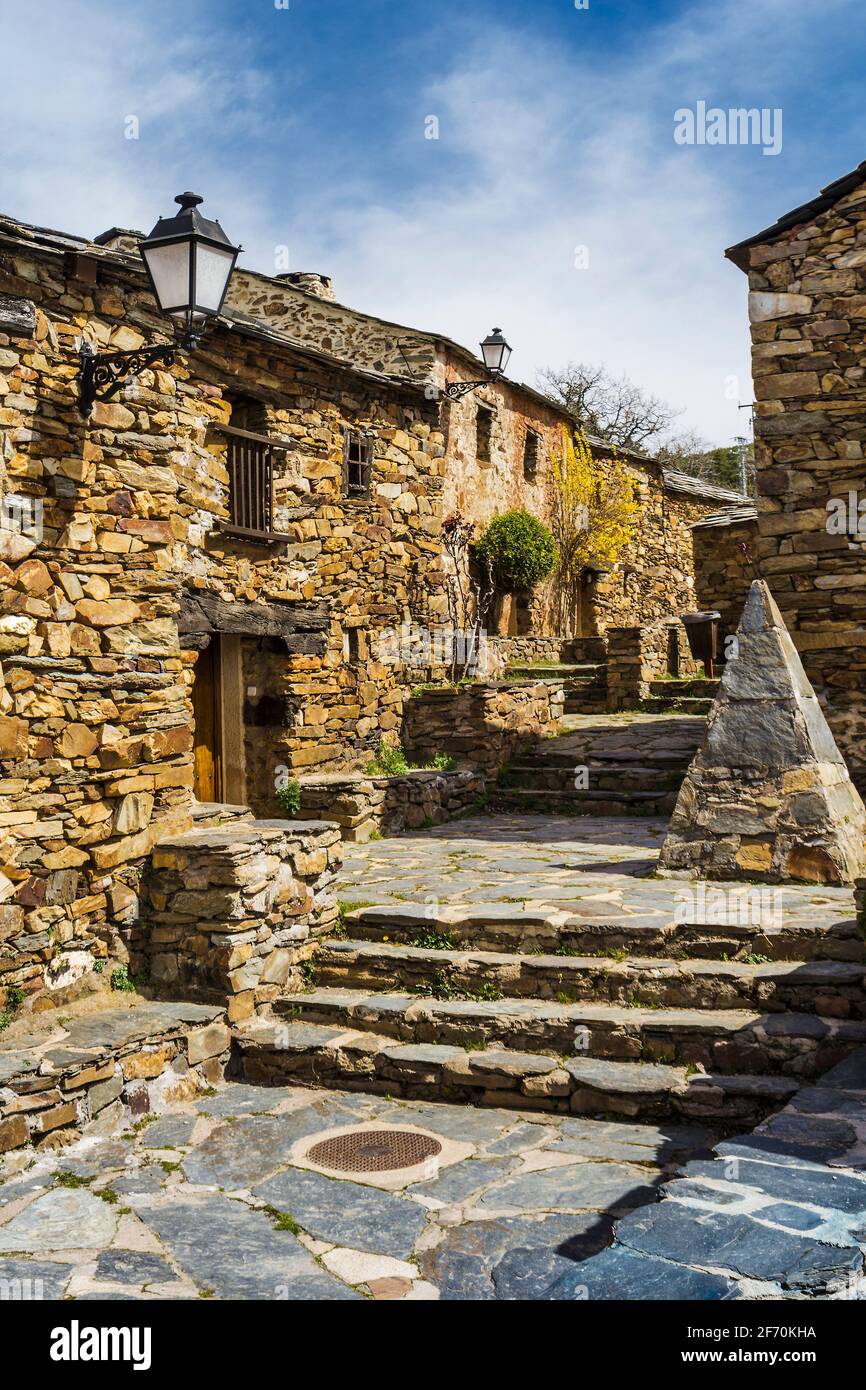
<point x="305" y="128"/>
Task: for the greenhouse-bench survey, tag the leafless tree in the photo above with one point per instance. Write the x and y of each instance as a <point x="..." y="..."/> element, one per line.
<point x="612" y="408"/>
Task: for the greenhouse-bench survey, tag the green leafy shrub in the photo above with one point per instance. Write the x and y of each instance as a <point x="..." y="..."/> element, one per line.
<point x="519" y="549"/>
<point x="390" y="761"/>
<point x="120" y="980"/>
<point x="442" y="762"/>
<point x="289" y="797"/>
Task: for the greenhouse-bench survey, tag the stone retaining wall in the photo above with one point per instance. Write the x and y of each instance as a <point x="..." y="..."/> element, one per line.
<point x="59" y="1079"/>
<point x="364" y="806"/>
<point x="482" y="725"/>
<point x="639" y="655"/>
<point x="521" y="651"/>
<point x="228" y="912"/>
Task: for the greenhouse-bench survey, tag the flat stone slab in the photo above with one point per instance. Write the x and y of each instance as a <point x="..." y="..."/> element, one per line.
<point x="235" y="1252"/>
<point x="511" y="1257"/>
<point x="347" y="1213"/>
<point x="133" y="1267"/>
<point x="34" y="1280"/>
<point x="619" y="1273"/>
<point x="624" y="1078"/>
<point x="740" y="1245"/>
<point x="63" y="1219"/>
<point x="573" y="1187"/>
<point x="240" y="1153"/>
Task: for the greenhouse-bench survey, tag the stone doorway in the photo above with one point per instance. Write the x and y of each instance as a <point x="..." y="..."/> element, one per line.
<point x="217" y="700"/>
<point x="207" y="717"/>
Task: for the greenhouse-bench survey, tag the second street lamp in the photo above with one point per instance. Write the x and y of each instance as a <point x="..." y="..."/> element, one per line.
<point x="189" y="261"/>
<point x="495" y="352"/>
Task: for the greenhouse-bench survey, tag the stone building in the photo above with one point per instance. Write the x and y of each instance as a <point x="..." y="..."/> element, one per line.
<point x="193" y="579"/>
<point x="807" y="308"/>
<point x="499" y="442"/>
<point x="196" y="579"/>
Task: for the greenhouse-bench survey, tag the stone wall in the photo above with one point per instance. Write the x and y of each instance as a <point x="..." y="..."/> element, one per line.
<point x="722" y="572"/>
<point x="655" y="573"/>
<point x="227" y="913"/>
<point x="82" y="1074"/>
<point x="524" y="651"/>
<point x="639" y="655"/>
<point x="129" y="510"/>
<point x="807" y="308"/>
<point x="482" y="725"/>
<point x="365" y="806"/>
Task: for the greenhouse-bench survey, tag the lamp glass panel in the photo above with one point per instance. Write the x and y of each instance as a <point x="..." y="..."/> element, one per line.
<point x="212" y="270"/>
<point x="169" y="267"/>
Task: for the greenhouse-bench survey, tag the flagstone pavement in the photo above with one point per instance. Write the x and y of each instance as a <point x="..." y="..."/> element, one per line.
<point x="213" y="1198"/>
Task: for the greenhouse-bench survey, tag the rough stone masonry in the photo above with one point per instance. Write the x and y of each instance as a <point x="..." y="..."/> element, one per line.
<point x="768" y="795"/>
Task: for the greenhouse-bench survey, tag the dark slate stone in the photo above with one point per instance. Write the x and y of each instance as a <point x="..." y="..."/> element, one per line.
<point x="169" y="1132"/>
<point x="225" y="1246"/>
<point x="720" y="1197"/>
<point x="572" y="1187"/>
<point x="686" y="1236"/>
<point x="798" y="1218"/>
<point x="144" y="1182"/>
<point x="32" y="1279"/>
<point x="236" y="1098"/>
<point x="819" y="1187"/>
<point x="619" y="1273"/>
<point x="454" y="1184"/>
<point x="524" y="1137"/>
<point x="241" y="1152"/>
<point x="849" y="1075"/>
<point x="830" y="1136"/>
<point x="133" y="1267"/>
<point x="347" y="1213"/>
<point x="513" y="1257"/>
<point x="463" y="1122"/>
<point x="770" y="1149"/>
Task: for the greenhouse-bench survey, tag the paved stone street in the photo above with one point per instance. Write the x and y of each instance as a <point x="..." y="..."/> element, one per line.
<point x="207" y="1200"/>
<point x="577" y="866"/>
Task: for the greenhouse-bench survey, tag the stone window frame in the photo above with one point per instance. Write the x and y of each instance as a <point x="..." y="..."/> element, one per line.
<point x="485" y="416"/>
<point x="531" y="454"/>
<point x="357" y="470"/>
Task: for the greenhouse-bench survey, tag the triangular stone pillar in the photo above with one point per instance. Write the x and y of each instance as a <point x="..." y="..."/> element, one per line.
<point x="768" y="795"/>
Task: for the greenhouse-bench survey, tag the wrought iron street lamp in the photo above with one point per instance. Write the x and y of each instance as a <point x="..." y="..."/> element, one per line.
<point x="189" y="261"/>
<point x="495" y="352"/>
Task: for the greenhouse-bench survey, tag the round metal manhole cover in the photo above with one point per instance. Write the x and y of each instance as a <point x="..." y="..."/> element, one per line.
<point x="374" y="1151"/>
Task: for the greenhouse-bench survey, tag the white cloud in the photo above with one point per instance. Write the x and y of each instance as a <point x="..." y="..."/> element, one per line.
<point x="541" y="150"/>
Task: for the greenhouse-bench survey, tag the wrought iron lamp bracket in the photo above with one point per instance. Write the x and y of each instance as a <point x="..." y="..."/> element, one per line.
<point x="103" y="373"/>
<point x="457" y="389"/>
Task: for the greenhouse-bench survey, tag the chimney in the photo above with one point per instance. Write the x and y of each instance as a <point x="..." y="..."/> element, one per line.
<point x="119" y="239"/>
<point x="322" y="286"/>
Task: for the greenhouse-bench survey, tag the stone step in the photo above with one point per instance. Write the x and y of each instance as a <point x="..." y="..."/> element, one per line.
<point x="657" y="704"/>
<point x="716" y="1040"/>
<point x="697" y="687"/>
<point x="609" y="931"/>
<point x="582" y="803"/>
<point x="619" y="778"/>
<point x="557" y="672"/>
<point x="831" y="989"/>
<point x="274" y="1052"/>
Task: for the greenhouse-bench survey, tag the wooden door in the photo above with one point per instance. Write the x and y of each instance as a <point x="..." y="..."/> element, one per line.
<point x="207" y="739"/>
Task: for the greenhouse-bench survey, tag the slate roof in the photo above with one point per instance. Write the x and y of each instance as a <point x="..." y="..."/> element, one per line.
<point x="806" y="212"/>
<point x="675" y="481"/>
<point x="728" y="516"/>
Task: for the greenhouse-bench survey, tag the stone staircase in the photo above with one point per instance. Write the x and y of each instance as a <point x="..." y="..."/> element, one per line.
<point x="613" y="765"/>
<point x="584" y="675"/>
<point x="542" y="1011"/>
<point x="693" y="696"/>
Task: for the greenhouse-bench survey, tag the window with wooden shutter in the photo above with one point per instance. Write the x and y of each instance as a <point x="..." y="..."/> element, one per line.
<point x="250" y="465"/>
<point x="357" y="464"/>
